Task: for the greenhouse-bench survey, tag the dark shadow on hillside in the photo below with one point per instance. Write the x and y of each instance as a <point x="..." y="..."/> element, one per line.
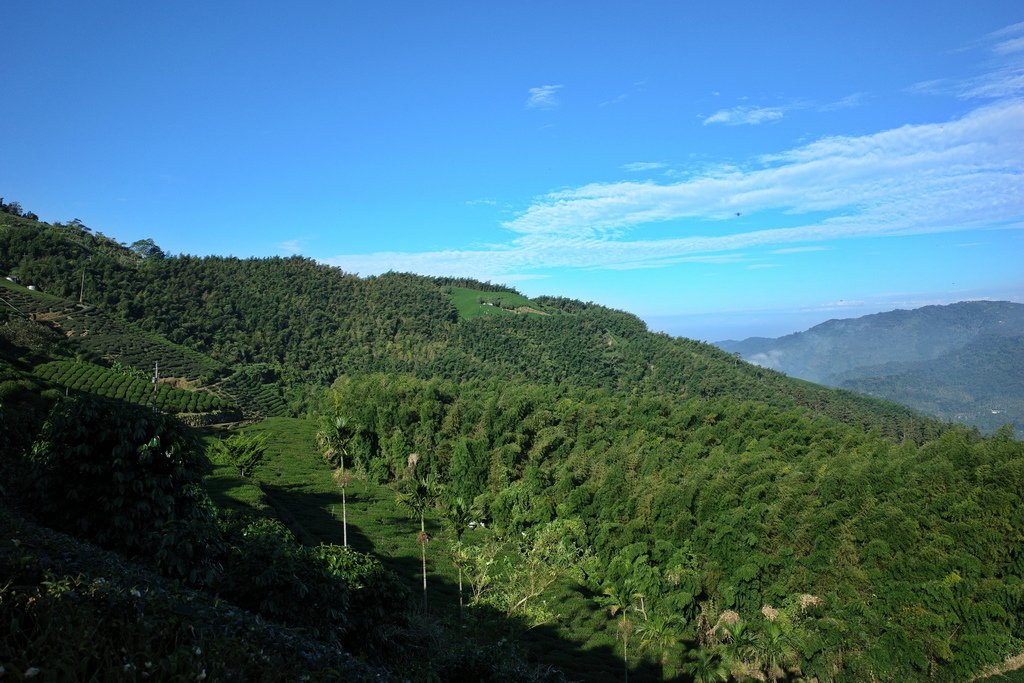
<point x="542" y="645"/>
<point x="307" y="515"/>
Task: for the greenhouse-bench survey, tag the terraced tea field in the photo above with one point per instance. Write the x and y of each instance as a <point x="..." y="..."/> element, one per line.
<point x="129" y="386"/>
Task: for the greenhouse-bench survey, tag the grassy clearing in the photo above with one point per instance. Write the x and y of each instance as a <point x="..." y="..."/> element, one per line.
<point x="295" y="486"/>
<point x="473" y="303"/>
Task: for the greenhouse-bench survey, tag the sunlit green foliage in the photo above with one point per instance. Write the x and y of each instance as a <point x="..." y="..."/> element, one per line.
<point x="731" y="521"/>
<point x="244" y="452"/>
<point x="691" y="503"/>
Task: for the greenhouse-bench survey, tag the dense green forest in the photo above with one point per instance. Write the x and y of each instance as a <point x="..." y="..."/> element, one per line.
<point x="475" y="486"/>
<point x="308" y="324"/>
<point x="883" y="560"/>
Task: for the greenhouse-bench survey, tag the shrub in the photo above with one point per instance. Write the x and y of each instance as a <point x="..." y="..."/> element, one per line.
<point x="129" y="479"/>
<point x="76" y="613"/>
<point x="243" y="451"/>
<point x="267" y="571"/>
<point x="378" y="600"/>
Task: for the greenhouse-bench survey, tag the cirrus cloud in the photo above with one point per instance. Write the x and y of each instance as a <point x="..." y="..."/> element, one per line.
<point x="954" y="175"/>
<point x="745" y="116"/>
<point x="543" y="97"/>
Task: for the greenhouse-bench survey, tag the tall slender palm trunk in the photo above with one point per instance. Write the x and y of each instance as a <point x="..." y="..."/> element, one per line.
<point x="624" y="627"/>
<point x="461" y="616"/>
<point x="344" y="519"/>
<point x="423" y="556"/>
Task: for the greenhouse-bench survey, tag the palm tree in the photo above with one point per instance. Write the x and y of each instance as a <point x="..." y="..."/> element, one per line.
<point x="617" y="600"/>
<point x="457" y="515"/>
<point x="418" y="494"/>
<point x="343" y="479"/>
<point x="706" y="666"/>
<point x="776" y="650"/>
<point x="739" y="651"/>
<point x="333" y="438"/>
<point x="661" y="633"/>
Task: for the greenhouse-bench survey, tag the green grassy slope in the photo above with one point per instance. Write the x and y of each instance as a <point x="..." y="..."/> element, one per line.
<point x="294" y="484"/>
<point x="472" y="303"/>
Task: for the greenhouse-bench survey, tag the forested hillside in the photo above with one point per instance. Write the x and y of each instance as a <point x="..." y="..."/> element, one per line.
<point x="308" y="323"/>
<point x="962" y="362"/>
<point x="835" y="553"/>
<point x="641" y="506"/>
<point x="980" y="384"/>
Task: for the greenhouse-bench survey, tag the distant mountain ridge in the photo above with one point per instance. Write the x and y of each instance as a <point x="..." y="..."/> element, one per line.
<point x="962" y="362"/>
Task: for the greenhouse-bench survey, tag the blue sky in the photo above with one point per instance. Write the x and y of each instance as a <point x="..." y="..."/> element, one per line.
<point x="720" y="169"/>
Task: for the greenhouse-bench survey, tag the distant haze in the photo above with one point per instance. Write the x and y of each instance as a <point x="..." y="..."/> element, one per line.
<point x="961" y="362"/>
<point x="739" y="325"/>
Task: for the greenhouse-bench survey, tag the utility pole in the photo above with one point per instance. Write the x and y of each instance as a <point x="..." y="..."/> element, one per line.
<point x="81" y="292"/>
<point x="154" y="379"/>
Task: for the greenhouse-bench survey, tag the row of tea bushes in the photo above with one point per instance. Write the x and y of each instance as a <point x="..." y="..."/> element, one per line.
<point x="101" y="336"/>
<point x="96" y="379"/>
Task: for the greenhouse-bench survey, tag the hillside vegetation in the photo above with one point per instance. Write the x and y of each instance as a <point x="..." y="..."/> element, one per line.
<point x="520" y="490"/>
<point x="308" y="324"/>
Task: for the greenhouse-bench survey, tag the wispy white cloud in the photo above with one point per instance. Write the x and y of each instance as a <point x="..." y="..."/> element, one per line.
<point x="289" y="246"/>
<point x="934" y="86"/>
<point x="834" y="305"/>
<point x="543" y="97"/>
<point x="640" y="166"/>
<point x="638" y="86"/>
<point x="1006" y="81"/>
<point x="1007" y="46"/>
<point x="1004" y="76"/>
<point x="745" y="116"/>
<point x="1006" y="32"/>
<point x="800" y="250"/>
<point x="853" y="100"/>
<point x="947" y="176"/>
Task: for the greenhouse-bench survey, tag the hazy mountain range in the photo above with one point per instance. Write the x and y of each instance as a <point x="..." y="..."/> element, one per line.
<point x="962" y="362"/>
